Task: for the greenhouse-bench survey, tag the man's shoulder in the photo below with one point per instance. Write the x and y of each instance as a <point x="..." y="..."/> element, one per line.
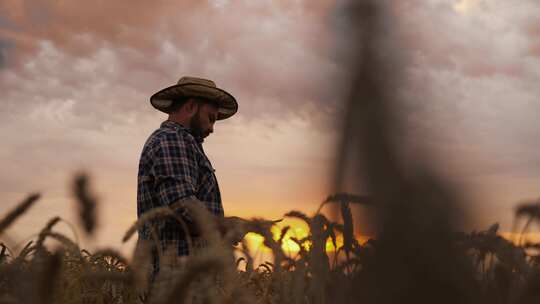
<point x="170" y="135"/>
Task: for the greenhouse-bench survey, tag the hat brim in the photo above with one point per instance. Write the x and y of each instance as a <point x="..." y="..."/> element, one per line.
<point x="164" y="99"/>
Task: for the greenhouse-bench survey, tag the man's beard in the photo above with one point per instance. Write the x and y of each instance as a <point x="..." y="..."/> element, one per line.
<point x="196" y="126"/>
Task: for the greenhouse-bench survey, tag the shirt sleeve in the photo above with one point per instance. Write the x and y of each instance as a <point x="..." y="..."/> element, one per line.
<point x="175" y="169"/>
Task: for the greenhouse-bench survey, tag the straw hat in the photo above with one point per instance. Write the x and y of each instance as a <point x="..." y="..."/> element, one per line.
<point x="195" y="87"/>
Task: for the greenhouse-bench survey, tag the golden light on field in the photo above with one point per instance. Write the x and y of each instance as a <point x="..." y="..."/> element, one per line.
<point x="298" y="230"/>
<point x="514" y="237"/>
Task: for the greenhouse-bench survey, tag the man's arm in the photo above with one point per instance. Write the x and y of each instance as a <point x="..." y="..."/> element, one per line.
<point x="175" y="169"/>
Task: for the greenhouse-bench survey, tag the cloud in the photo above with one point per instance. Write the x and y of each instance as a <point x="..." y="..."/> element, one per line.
<point x="266" y="53"/>
<point x="467" y="80"/>
<point x="534" y="36"/>
<point x="77" y="76"/>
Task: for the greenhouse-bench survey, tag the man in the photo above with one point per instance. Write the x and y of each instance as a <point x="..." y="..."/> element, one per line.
<point x="173" y="166"/>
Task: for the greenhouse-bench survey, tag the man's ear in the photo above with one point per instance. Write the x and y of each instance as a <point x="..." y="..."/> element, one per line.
<point x="192" y="107"/>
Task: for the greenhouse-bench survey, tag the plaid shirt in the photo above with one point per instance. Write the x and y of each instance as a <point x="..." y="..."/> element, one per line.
<point x="173" y="167"/>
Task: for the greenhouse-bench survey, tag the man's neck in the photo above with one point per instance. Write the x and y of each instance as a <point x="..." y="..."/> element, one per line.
<point x="186" y="124"/>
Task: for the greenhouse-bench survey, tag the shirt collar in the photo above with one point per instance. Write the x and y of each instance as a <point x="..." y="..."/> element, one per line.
<point x="179" y="127"/>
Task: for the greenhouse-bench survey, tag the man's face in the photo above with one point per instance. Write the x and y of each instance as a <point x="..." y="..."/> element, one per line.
<point x="202" y="123"/>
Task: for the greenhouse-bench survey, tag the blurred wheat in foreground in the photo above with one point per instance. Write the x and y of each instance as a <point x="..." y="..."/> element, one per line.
<point x="503" y="271"/>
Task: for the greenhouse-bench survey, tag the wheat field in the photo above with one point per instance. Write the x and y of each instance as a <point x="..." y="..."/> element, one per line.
<point x="476" y="267"/>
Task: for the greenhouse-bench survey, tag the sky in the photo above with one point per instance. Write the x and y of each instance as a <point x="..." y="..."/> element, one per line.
<point x="76" y="77"/>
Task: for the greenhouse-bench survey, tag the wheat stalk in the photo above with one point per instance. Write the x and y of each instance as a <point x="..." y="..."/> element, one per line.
<point x="48" y="227"/>
<point x="155" y="214"/>
<point x="18" y="211"/>
<point x="87" y="202"/>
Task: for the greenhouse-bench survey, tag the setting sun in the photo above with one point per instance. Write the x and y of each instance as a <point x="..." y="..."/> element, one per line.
<point x="298" y="230"/>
